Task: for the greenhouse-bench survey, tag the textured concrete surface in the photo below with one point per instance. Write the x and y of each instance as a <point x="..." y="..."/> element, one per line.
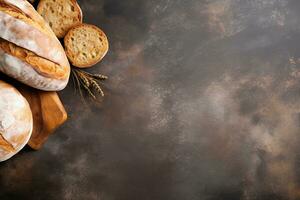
<point x="203" y="103"/>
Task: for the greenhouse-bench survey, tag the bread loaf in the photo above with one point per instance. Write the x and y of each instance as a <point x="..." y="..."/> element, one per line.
<point x="29" y="50"/>
<point x="85" y="45"/>
<point x="15" y="121"/>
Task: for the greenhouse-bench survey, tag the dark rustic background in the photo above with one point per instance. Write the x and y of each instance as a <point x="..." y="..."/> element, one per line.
<point x="203" y="103"/>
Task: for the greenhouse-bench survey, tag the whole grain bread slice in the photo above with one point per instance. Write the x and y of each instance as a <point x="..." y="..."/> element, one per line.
<point x="61" y="15"/>
<point x="85" y="45"/>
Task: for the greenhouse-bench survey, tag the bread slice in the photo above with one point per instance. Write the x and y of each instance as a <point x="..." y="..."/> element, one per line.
<point x="85" y="45"/>
<point x="61" y="15"/>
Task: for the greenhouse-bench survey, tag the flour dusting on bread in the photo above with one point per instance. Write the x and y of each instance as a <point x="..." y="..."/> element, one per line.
<point x="26" y="29"/>
<point x="23" y="72"/>
<point x="15" y="121"/>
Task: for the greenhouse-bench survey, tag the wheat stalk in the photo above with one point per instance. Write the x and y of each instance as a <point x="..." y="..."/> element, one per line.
<point x="97" y="87"/>
<point x="89" y="82"/>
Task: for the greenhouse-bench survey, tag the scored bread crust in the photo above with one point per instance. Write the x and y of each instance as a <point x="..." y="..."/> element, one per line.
<point x="68" y="48"/>
<point x="60" y="28"/>
<point x="27" y="34"/>
<point x="31" y="38"/>
<point x="41" y="65"/>
<point x="29" y="10"/>
<point x="16" y="121"/>
<point x="23" y="72"/>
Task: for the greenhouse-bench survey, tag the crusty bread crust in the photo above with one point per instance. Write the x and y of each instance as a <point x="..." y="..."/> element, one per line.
<point x="29" y="11"/>
<point x="61" y="15"/>
<point x="85" y="45"/>
<point x="43" y="66"/>
<point x="16" y="121"/>
<point x="33" y="43"/>
<point x="27" y="36"/>
<point x="23" y="72"/>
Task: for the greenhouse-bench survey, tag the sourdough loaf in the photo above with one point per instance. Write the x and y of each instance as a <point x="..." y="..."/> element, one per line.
<point x="15" y="121"/>
<point x="85" y="45"/>
<point x="29" y="50"/>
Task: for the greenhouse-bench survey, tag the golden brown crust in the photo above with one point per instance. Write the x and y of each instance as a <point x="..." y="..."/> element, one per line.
<point x="16" y="121"/>
<point x="43" y="66"/>
<point x="61" y="15"/>
<point x="16" y="12"/>
<point x="87" y="40"/>
<point x="16" y="25"/>
<point x="5" y="144"/>
<point x="28" y="39"/>
<point x="28" y="10"/>
<point x="9" y="7"/>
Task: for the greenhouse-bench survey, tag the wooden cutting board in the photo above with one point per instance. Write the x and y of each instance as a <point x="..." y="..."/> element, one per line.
<point x="48" y="114"/>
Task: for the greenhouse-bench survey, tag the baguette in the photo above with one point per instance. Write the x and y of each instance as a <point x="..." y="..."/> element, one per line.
<point x="29" y="50"/>
<point x="61" y="15"/>
<point x="16" y="121"/>
<point x="85" y="45"/>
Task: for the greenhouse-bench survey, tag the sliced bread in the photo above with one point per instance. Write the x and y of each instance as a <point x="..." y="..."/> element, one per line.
<point x="61" y="15"/>
<point x="85" y="45"/>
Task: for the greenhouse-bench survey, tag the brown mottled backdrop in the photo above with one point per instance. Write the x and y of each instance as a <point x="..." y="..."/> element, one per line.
<point x="203" y="103"/>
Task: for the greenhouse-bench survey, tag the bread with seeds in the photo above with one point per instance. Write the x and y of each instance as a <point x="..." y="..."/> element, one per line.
<point x="85" y="45"/>
<point x="61" y="15"/>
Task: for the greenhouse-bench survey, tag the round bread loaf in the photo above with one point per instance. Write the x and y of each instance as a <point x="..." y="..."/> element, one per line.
<point x="35" y="56"/>
<point x="15" y="121"/>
